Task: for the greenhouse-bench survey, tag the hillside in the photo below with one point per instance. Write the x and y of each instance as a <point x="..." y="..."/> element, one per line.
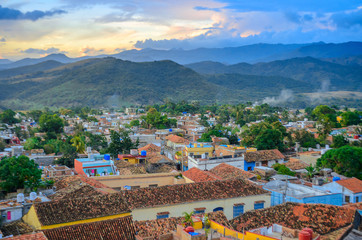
<point x="320" y="74"/>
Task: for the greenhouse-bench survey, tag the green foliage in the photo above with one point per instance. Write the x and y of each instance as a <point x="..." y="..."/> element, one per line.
<point x="217" y="131"/>
<point x="134" y="123"/>
<point x="339" y="141"/>
<point x="2" y="145"/>
<point x="51" y="123"/>
<point x="78" y="143"/>
<point x="32" y="143"/>
<point x="34" y="114"/>
<point x="96" y="141"/>
<point x="69" y="154"/>
<point x="120" y="143"/>
<point x="15" y="172"/>
<point x="350" y="118"/>
<point x="345" y="160"/>
<point x="305" y="138"/>
<point x="310" y="171"/>
<point x="8" y="116"/>
<point x="282" y="169"/>
<point x="154" y="119"/>
<point x="188" y="218"/>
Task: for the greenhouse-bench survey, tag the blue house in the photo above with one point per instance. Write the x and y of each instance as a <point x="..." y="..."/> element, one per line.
<point x="282" y="191"/>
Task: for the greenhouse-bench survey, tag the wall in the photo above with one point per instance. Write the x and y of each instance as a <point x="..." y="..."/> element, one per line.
<point x="78" y="167"/>
<point x="333" y="199"/>
<point x="249" y="164"/>
<point x="177" y="210"/>
<point x="16" y="214"/>
<point x="210" y="164"/>
<point x="142" y="180"/>
<point x="334" y="187"/>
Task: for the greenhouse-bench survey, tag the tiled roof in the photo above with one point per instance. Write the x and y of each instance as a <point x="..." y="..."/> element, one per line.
<point x="295" y="164"/>
<point x="352" y="184"/>
<point x="191" y="192"/>
<point x="263" y="155"/>
<point x="69" y="210"/>
<point x="77" y="191"/>
<point x="198" y="175"/>
<point x="322" y="218"/>
<point x="226" y="171"/>
<point x="156" y="157"/>
<point x="150" y="148"/>
<point x="31" y="236"/>
<point x="220" y="218"/>
<point x="119" y="228"/>
<point x="15" y="228"/>
<point x="177" y="139"/>
<point x="132" y="170"/>
<point x="155" y="228"/>
<point x="76" y="180"/>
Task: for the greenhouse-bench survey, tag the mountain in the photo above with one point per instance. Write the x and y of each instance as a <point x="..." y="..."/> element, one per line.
<point x="50" y="64"/>
<point x="5" y="61"/>
<point x="351" y="60"/>
<point x="320" y="74"/>
<point x="113" y="82"/>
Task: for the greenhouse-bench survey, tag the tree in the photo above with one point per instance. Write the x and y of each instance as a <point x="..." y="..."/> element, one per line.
<point x="282" y="169"/>
<point x="8" y="116"/>
<point x="69" y="154"/>
<point x="345" y="160"/>
<point x="188" y="218"/>
<point x="16" y="172"/>
<point x="305" y="138"/>
<point x="339" y="141"/>
<point x="310" y="171"/>
<point x="2" y="145"/>
<point x="51" y="123"/>
<point x="269" y="139"/>
<point x="323" y="110"/>
<point x="120" y="143"/>
<point x="350" y="118"/>
<point x="154" y="119"/>
<point x="96" y="142"/>
<point x="78" y="143"/>
<point x="32" y="143"/>
<point x="134" y="123"/>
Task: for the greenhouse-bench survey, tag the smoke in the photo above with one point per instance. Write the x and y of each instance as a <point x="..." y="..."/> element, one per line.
<point x="325" y="85"/>
<point x="320" y="95"/>
<point x="114" y="101"/>
<point x="286" y="95"/>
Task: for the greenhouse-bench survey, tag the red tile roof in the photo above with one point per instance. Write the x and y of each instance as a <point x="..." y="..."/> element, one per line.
<point x="198" y="175"/>
<point x="177" y="139"/>
<point x="119" y="228"/>
<point x="352" y="184"/>
<point x="295" y="164"/>
<point x="226" y="171"/>
<point x="191" y="192"/>
<point x="322" y="218"/>
<point x="15" y="228"/>
<point x="150" y="148"/>
<point x="263" y="155"/>
<point x="31" y="236"/>
<point x="70" y="210"/>
<point x="153" y="229"/>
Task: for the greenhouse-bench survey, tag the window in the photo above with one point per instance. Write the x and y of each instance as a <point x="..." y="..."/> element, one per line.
<point x="259" y="205"/>
<point x="153" y="185"/>
<point x="356" y="199"/>
<point x="161" y="215"/>
<point x="199" y="210"/>
<point x="218" y="209"/>
<point x="346" y="199"/>
<point x="238" y="209"/>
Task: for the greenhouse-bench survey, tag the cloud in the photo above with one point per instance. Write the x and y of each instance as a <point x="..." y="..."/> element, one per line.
<point x="86" y="51"/>
<point x="42" y="51"/>
<point x="13" y="14"/>
<point x="348" y="20"/>
<point x="2" y="39"/>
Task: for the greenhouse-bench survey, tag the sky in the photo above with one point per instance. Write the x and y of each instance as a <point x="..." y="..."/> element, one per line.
<point x="36" y="28"/>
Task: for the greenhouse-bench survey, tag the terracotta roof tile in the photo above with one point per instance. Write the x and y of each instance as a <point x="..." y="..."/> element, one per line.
<point x="191" y="192"/>
<point x="77" y="191"/>
<point x="352" y="184"/>
<point x="119" y="228"/>
<point x="31" y="236"/>
<point x="156" y="157"/>
<point x="226" y="171"/>
<point x="150" y="148"/>
<point x="295" y="164"/>
<point x="70" y="210"/>
<point x="322" y="218"/>
<point x="176" y="139"/>
<point x="263" y="155"/>
<point x="15" y="228"/>
<point x="198" y="175"/>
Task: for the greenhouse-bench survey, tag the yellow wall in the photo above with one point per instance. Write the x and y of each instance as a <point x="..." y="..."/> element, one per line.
<point x="177" y="210"/>
<point x="132" y="160"/>
<point x="232" y="233"/>
<point x="31" y="218"/>
<point x="199" y="150"/>
<point x="142" y="180"/>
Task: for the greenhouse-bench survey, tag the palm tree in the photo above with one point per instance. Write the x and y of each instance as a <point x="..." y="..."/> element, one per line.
<point x="188" y="218"/>
<point x="79" y="144"/>
<point x="310" y="171"/>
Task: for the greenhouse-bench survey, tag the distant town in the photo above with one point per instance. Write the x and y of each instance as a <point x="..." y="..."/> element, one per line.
<point x="181" y="171"/>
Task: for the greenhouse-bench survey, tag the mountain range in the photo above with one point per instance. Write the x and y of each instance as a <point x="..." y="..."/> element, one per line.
<point x="59" y="81"/>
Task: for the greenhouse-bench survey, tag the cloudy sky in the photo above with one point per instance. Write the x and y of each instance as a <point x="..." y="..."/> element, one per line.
<point x="35" y="28"/>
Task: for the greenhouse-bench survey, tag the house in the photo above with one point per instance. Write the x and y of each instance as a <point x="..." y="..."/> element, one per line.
<point x="327" y="220"/>
<point x="201" y="150"/>
<point x="174" y="144"/>
<point x="350" y="188"/>
<point x="133" y="157"/>
<point x="57" y="171"/>
<point x="226" y="171"/>
<point x="95" y="165"/>
<point x="73" y="211"/>
<point x="266" y="158"/>
<point x="172" y="201"/>
<point x="296" y="165"/>
<point x="282" y="191"/>
<point x="211" y="162"/>
<point x="197" y="175"/>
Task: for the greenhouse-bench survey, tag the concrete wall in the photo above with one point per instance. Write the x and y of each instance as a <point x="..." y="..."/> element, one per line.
<point x="142" y="180"/>
<point x="15" y="214"/>
<point x="210" y="164"/>
<point x="334" y="187"/>
<point x="178" y="209"/>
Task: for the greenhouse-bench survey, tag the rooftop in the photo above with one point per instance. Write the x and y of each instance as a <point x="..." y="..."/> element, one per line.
<point x="191" y="192"/>
<point x="119" y="228"/>
<point x="263" y="155"/>
<point x="322" y="218"/>
<point x="198" y="175"/>
<point x="150" y="148"/>
<point x="177" y="139"/>
<point x="352" y="184"/>
<point x="295" y="164"/>
<point x="226" y="171"/>
<point x="30" y="236"/>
